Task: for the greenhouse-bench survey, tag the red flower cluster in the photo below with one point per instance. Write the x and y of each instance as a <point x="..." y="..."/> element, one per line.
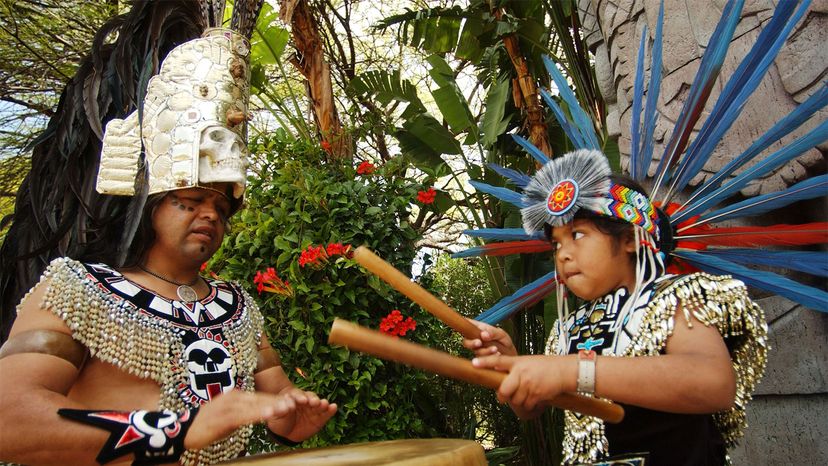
<point x="338" y="249"/>
<point x="313" y="256"/>
<point x="394" y="325"/>
<point x="326" y="146"/>
<point x="317" y="256"/>
<point x="365" y="168"/>
<point x="427" y="196"/>
<point x="270" y="282"/>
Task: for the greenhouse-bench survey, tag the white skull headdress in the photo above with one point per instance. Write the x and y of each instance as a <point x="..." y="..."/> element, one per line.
<point x="194" y="121"/>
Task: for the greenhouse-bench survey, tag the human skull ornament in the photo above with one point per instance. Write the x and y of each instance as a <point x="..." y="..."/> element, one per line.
<point x="222" y="158"/>
<point x="210" y="367"/>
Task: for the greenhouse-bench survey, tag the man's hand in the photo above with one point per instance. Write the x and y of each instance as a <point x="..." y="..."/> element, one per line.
<point x="221" y="416"/>
<point x="311" y="414"/>
<point x="493" y="340"/>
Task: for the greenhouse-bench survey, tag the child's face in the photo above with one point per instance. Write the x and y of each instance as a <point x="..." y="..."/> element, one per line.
<point x="589" y="262"/>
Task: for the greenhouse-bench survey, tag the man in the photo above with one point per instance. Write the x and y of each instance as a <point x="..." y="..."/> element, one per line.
<point x="144" y="360"/>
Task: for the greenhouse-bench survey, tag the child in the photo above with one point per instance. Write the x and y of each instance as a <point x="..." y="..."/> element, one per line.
<point x="681" y="353"/>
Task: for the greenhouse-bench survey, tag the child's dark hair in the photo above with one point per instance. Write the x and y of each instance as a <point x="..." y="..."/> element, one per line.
<point x="615" y="228"/>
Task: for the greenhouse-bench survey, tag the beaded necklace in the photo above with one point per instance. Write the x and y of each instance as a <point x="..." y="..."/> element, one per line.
<point x="184" y="291"/>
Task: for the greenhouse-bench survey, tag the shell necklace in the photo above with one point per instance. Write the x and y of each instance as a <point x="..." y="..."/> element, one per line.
<point x="184" y="291"/>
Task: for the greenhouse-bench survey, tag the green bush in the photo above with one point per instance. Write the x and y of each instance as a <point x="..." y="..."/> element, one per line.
<point x="300" y="201"/>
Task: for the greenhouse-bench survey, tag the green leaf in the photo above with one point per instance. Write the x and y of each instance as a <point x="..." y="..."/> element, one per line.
<point x="386" y="88"/>
<point x="442" y="34"/>
<point x="440" y="71"/>
<point x="468" y="46"/>
<point x="494" y="123"/>
<point x="426" y="128"/>
<point x="269" y="39"/>
<point x="418" y="151"/>
<point x="374" y="210"/>
<point x="455" y="109"/>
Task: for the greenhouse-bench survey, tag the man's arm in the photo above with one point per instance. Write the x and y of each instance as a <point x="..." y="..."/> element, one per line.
<point x="35" y="386"/>
<point x="311" y="411"/>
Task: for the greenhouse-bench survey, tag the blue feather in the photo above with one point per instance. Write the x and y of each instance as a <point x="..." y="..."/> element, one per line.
<point x="709" y="69"/>
<point x="736" y="93"/>
<point x="808" y="189"/>
<point x="581" y="120"/>
<point x="778" y="158"/>
<point x="638" y="96"/>
<point x="529" y="294"/>
<point x="531" y="149"/>
<point x="503" y="234"/>
<point x="810" y="297"/>
<point x="791" y="121"/>
<point x="519" y="179"/>
<point x="814" y="263"/>
<point x="504" y="194"/>
<point x="569" y="128"/>
<point x="653" y="89"/>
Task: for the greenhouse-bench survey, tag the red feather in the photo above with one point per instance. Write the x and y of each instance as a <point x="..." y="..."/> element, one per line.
<point x="786" y="235"/>
<point x="516" y="247"/>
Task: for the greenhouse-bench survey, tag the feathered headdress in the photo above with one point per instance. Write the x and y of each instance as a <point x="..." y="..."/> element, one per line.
<point x="58" y="211"/>
<point x="688" y="233"/>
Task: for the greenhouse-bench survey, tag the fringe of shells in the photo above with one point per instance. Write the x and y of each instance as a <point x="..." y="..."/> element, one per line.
<point x="721" y="301"/>
<point x="145" y="346"/>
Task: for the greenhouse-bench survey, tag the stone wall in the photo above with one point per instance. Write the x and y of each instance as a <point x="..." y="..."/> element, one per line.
<point x="787" y="419"/>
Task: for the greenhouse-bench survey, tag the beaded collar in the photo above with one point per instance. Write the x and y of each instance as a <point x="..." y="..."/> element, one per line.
<point x="194" y="351"/>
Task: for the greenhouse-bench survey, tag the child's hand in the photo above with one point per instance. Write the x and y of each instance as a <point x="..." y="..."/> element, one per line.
<point x="533" y="381"/>
<point x="493" y="340"/>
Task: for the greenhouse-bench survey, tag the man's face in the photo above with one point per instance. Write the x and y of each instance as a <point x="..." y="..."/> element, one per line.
<point x="189" y="224"/>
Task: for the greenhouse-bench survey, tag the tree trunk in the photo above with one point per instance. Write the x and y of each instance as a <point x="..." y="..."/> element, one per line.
<point x="309" y="59"/>
<point x="529" y="97"/>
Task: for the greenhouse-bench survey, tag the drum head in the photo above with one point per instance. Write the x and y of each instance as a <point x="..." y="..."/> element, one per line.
<point x="432" y="452"/>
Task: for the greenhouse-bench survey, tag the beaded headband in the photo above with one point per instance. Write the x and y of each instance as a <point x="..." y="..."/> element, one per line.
<point x="580" y="180"/>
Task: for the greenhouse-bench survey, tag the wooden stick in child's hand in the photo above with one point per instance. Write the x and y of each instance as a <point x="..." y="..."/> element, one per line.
<point x="361" y="339"/>
<point x="400" y="282"/>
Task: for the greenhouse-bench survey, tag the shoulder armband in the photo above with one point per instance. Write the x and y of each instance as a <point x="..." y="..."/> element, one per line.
<point x="46" y="342"/>
<point x="267" y="358"/>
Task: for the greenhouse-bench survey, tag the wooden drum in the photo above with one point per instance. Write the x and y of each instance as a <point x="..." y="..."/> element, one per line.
<point x="414" y="452"/>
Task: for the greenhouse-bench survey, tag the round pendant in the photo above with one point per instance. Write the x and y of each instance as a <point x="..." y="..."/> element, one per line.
<point x="186" y="294"/>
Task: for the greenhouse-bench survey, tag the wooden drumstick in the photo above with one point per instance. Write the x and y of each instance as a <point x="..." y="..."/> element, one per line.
<point x="400" y="282"/>
<point x="361" y="339"/>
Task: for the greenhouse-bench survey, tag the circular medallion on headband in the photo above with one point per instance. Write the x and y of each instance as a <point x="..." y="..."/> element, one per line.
<point x="562" y="197"/>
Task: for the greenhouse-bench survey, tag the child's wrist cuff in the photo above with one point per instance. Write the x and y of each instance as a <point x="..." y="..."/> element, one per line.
<point x="586" y="371"/>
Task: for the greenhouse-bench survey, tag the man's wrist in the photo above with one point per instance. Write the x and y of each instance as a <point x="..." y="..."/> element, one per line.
<point x="154" y="437"/>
